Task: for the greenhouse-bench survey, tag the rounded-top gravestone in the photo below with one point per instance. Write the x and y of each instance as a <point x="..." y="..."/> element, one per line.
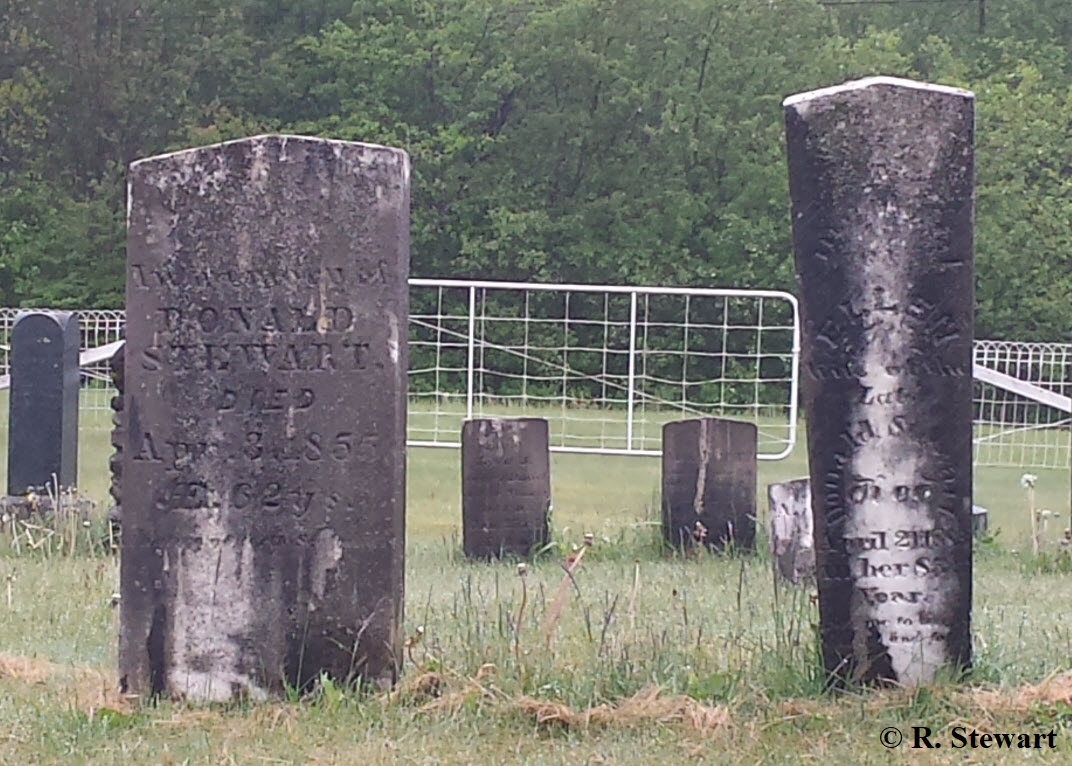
<point x="43" y="422"/>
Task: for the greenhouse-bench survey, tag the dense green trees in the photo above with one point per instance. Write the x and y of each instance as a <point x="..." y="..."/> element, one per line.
<point x="590" y="140"/>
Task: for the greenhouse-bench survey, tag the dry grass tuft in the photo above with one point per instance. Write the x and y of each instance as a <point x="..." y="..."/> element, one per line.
<point x="647" y="707"/>
<point x="418" y="689"/>
<point x="545" y="713"/>
<point x="1055" y="690"/>
<point x="87" y="690"/>
<point x="28" y="670"/>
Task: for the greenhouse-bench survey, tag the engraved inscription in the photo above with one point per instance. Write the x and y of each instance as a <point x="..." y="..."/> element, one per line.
<point x="184" y="276"/>
<point x="505" y="487"/>
<point x="305" y="355"/>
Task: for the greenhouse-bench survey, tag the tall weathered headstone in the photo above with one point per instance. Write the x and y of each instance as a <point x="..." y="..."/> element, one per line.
<point x="506" y="487"/>
<point x="263" y="469"/>
<point x="42" y="440"/>
<point x="881" y="180"/>
<point x="709" y="484"/>
<point x="792" y="535"/>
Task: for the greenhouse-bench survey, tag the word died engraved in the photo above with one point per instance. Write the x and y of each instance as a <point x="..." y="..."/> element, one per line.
<point x="259" y="400"/>
<point x="864" y="489"/>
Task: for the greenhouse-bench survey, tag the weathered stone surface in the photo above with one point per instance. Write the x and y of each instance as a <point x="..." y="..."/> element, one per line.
<point x="792" y="535"/>
<point x="709" y="483"/>
<point x="42" y="440"/>
<point x="506" y="487"/>
<point x="980" y="520"/>
<point x="881" y="180"/>
<point x="263" y="470"/>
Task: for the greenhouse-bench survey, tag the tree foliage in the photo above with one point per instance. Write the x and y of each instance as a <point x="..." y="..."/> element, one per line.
<point x="603" y="141"/>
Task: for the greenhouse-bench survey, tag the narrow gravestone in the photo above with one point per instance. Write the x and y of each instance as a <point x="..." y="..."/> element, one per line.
<point x="263" y="468"/>
<point x="709" y="484"/>
<point x="792" y="537"/>
<point x="506" y="487"/>
<point x="42" y="446"/>
<point x="881" y="180"/>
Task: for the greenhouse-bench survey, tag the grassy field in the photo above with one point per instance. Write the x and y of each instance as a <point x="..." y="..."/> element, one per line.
<point x="702" y="659"/>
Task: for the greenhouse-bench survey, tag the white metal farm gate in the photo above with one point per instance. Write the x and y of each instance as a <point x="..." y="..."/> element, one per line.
<point x="607" y="366"/>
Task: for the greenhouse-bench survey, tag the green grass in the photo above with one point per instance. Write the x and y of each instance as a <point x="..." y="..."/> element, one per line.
<point x="713" y="629"/>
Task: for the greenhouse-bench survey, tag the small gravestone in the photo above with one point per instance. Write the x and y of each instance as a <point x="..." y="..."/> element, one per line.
<point x="709" y="484"/>
<point x="881" y="180"/>
<point x="263" y="464"/>
<point x="792" y="538"/>
<point x="980" y="521"/>
<point x="42" y="446"/>
<point x="506" y="487"/>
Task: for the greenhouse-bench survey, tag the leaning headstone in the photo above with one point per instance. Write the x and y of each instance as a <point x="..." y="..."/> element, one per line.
<point x="792" y="538"/>
<point x="263" y="469"/>
<point x="506" y="487"/>
<point x="881" y="180"/>
<point x="42" y="444"/>
<point x="709" y="484"/>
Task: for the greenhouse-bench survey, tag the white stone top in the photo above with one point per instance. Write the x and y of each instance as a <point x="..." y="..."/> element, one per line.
<point x="267" y="136"/>
<point x="868" y="82"/>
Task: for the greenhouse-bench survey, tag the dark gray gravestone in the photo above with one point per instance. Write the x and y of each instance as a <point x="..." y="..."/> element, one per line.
<point x="881" y="180"/>
<point x="263" y="467"/>
<point x="709" y="484"/>
<point x="792" y="535"/>
<point x="42" y="439"/>
<point x="506" y="487"/>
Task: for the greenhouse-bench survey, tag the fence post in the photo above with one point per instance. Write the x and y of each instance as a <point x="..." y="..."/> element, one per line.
<point x="631" y="382"/>
<point x="472" y="354"/>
